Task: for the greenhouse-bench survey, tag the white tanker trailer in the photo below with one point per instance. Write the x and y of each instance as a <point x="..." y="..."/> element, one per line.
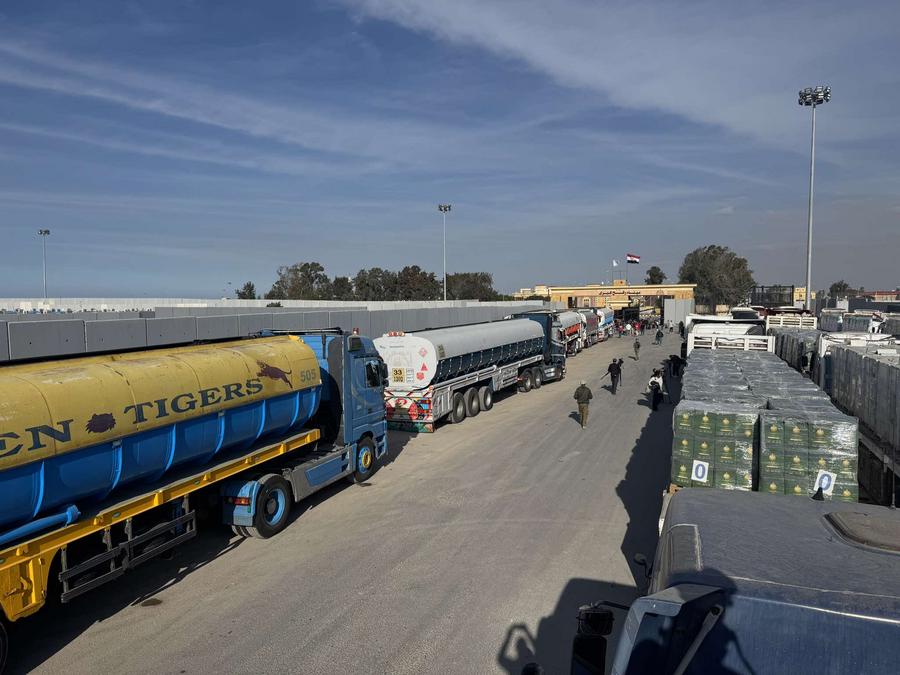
<point x="454" y="372"/>
<point x="590" y="325"/>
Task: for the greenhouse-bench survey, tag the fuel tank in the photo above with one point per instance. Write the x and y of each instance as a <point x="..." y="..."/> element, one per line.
<point x="73" y="431"/>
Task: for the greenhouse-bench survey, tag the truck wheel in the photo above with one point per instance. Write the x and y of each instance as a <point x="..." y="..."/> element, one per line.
<point x="527" y="380"/>
<point x="537" y="375"/>
<point x="273" y="505"/>
<point x="457" y="408"/>
<point x="472" y="404"/>
<point x="486" y="397"/>
<point x="366" y="464"/>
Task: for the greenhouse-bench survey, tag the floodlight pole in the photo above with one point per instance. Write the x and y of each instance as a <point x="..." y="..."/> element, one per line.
<point x="444" y="208"/>
<point x="43" y="235"/>
<point x="809" y="220"/>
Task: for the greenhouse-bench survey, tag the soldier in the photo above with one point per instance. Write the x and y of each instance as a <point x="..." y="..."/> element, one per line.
<point x="614" y="370"/>
<point x="583" y="396"/>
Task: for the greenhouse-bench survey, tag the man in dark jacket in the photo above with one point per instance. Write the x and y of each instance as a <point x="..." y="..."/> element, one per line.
<point x="614" y="370"/>
<point x="583" y="396"/>
<point x="637" y="349"/>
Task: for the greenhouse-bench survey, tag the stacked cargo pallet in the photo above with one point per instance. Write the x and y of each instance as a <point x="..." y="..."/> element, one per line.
<point x="891" y="325"/>
<point x="830" y="320"/>
<point x="747" y="421"/>
<point x="857" y="323"/>
<point x="794" y="346"/>
<point x="866" y="383"/>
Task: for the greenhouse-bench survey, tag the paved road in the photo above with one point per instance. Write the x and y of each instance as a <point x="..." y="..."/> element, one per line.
<point x="469" y="553"/>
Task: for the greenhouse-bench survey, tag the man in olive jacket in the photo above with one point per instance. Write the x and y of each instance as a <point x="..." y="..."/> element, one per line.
<point x="583" y="395"/>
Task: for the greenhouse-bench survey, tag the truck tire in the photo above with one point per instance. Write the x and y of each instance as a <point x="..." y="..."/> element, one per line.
<point x="457" y="408"/>
<point x="537" y="376"/>
<point x="366" y="463"/>
<point x="273" y="506"/>
<point x="486" y="397"/>
<point x="527" y="380"/>
<point x="473" y="405"/>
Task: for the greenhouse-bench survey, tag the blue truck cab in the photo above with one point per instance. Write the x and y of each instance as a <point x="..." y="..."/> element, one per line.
<point x="746" y="582"/>
<point x="353" y="444"/>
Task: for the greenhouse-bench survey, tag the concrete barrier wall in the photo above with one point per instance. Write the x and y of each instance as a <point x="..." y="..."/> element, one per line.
<point x="23" y="339"/>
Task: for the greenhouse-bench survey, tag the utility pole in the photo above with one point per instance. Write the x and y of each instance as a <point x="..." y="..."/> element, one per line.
<point x="811" y="97"/>
<point x="445" y="209"/>
<point x="43" y="235"/>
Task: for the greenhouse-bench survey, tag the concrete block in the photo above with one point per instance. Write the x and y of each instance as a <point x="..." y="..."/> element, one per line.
<point x="316" y="320"/>
<point x="218" y="327"/>
<point x="4" y="342"/>
<point x="253" y="323"/>
<point x="340" y="319"/>
<point x="38" y="339"/>
<point x="289" y="320"/>
<point x="115" y="334"/>
<point x="176" y="330"/>
<point x="360" y="319"/>
<point x="412" y="320"/>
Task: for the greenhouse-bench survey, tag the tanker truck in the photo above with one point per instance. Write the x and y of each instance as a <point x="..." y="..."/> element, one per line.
<point x="105" y="460"/>
<point x="455" y="372"/>
<point x="590" y="326"/>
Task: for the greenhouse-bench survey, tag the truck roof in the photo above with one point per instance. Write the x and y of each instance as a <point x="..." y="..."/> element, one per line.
<point x="832" y="556"/>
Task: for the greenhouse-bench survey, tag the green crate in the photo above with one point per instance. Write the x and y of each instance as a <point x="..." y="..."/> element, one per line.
<point x="845" y="491"/>
<point x="796" y="462"/>
<point x="724" y="477"/>
<point x="683" y="421"/>
<point x="774" y="486"/>
<point x="771" y="461"/>
<point x="797" y="486"/>
<point x="745" y="426"/>
<point x="724" y="425"/>
<point x="683" y="446"/>
<point x="771" y="429"/>
<point x="796" y="433"/>
<point x="847" y="469"/>
<point x="725" y="453"/>
<point x="743" y="479"/>
<point x="822" y="461"/>
<point x="704" y="449"/>
<point x="743" y="452"/>
<point x="681" y="471"/>
<point x="703" y="423"/>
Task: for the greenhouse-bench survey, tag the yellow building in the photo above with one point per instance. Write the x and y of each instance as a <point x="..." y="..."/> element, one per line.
<point x="616" y="296"/>
<point x="800" y="294"/>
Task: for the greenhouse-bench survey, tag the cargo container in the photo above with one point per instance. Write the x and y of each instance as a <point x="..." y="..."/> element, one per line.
<point x="105" y="458"/>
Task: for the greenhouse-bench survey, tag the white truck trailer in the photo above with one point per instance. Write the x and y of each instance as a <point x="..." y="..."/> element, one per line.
<point x="454" y="372"/>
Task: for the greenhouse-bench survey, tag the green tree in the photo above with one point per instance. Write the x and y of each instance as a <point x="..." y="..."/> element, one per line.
<point x="342" y="288"/>
<point x="375" y="284"/>
<point x="301" y="281"/>
<point x="471" y="286"/>
<point x="839" y="289"/>
<point x="247" y="292"/>
<point x="655" y="276"/>
<point x="722" y="276"/>
<point x="414" y="283"/>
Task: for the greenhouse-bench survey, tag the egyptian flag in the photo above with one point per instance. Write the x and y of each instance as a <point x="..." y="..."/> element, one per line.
<point x="632" y="259"/>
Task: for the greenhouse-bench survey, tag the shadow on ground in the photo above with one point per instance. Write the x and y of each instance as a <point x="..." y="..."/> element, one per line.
<point x="646" y="477"/>
<point x="551" y="643"/>
<point x="37" y="638"/>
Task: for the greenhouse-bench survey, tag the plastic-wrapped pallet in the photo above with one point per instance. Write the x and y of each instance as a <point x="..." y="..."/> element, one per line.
<point x="800" y="451"/>
<point x="857" y="323"/>
<point x="713" y="445"/>
<point x="830" y="320"/>
<point x="891" y="324"/>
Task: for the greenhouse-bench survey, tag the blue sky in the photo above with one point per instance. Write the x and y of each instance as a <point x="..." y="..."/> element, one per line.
<point x="173" y="147"/>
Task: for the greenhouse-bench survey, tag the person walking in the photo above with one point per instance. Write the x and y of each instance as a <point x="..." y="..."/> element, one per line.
<point x="655" y="389"/>
<point x="637" y="349"/>
<point x="659" y="336"/>
<point x="583" y="396"/>
<point x="614" y="370"/>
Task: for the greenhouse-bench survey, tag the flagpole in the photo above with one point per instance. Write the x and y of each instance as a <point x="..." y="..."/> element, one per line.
<point x="626" y="270"/>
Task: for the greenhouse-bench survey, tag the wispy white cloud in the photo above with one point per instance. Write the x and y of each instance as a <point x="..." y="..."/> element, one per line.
<point x="710" y="62"/>
<point x="724" y="210"/>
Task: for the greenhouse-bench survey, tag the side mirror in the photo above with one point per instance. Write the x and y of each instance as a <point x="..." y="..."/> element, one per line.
<point x="384" y="371"/>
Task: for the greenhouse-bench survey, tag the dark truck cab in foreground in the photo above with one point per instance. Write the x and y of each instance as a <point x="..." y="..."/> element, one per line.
<point x="745" y="582"/>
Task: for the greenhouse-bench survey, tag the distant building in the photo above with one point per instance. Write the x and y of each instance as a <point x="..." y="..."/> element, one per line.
<point x="882" y="296"/>
<point x="616" y="296"/>
<point x="778" y="295"/>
